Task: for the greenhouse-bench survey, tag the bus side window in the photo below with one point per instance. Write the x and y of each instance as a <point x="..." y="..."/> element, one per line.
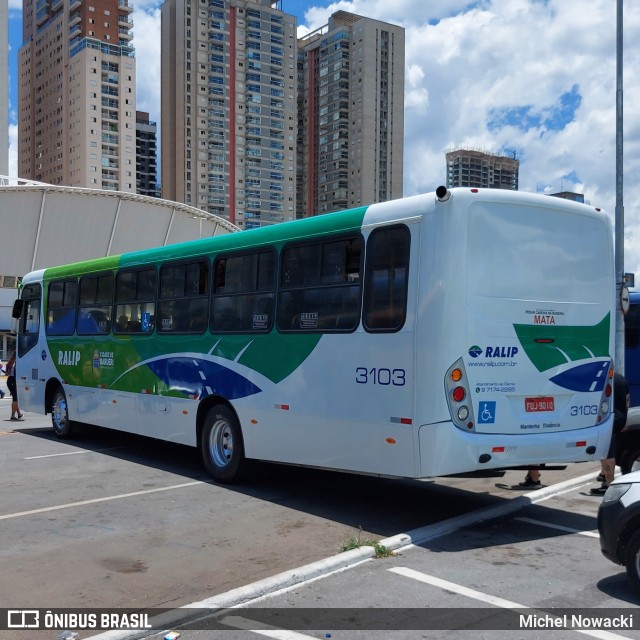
<point x="184" y="297"/>
<point x="386" y="279"/>
<point x="632" y="327"/>
<point x="61" y="308"/>
<point x="243" y="298"/>
<point x="135" y="301"/>
<point x="320" y="286"/>
<point x="94" y="308"/>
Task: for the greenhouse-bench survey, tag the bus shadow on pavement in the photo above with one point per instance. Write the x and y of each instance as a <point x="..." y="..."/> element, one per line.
<point x="372" y="506"/>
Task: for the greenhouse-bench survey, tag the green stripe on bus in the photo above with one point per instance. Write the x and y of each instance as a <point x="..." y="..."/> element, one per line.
<point x="87" y="266"/>
<point x="274" y="235"/>
<point x="573" y="342"/>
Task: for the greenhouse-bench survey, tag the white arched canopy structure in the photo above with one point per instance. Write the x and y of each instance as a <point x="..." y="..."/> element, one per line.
<point x="43" y="225"/>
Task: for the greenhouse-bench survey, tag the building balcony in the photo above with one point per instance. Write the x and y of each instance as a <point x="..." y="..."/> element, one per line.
<point x="125" y="5"/>
<point x="124" y="35"/>
<point x="42" y="16"/>
<point x="75" y="18"/>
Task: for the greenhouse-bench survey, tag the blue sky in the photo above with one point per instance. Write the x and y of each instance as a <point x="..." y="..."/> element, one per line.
<point x="536" y="77"/>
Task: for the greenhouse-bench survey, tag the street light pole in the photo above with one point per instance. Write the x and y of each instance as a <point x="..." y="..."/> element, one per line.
<point x="619" y="212"/>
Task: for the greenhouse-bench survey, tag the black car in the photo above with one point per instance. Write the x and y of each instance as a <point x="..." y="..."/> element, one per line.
<point x="619" y="524"/>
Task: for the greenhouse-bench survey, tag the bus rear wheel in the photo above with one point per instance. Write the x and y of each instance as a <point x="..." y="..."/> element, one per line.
<point x="222" y="445"/>
<point x="60" y="415"/>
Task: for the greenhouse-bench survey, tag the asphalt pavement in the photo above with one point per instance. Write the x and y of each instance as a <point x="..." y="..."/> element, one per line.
<point x="509" y="499"/>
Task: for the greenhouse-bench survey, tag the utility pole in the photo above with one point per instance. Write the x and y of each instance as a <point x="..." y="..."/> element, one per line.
<point x="619" y="212"/>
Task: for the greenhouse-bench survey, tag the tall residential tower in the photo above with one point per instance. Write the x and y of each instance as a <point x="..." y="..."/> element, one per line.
<point x="228" y="118"/>
<point x="146" y="155"/>
<point x="77" y="94"/>
<point x="469" y="168"/>
<point x="351" y="114"/>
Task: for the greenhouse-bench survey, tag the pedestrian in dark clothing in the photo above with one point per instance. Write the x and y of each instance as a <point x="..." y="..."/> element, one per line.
<point x="13" y="389"/>
<point x="621" y="403"/>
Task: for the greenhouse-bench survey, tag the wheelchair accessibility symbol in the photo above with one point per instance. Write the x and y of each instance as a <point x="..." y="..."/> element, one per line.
<point x="487" y="412"/>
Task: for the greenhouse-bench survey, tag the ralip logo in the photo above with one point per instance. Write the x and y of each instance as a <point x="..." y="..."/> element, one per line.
<point x="475" y="351"/>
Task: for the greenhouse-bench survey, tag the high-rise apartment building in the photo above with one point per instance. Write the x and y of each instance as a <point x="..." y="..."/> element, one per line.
<point x="4" y="93"/>
<point x="351" y="114"/>
<point x="77" y="94"/>
<point x="228" y="112"/>
<point x="467" y="168"/>
<point x="146" y="155"/>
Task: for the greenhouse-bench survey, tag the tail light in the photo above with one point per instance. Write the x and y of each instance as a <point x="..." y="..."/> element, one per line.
<point x="458" y="396"/>
<point x="605" y="399"/>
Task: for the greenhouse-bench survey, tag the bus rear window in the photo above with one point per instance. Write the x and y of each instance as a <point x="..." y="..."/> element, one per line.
<point x="387" y="276"/>
<point x="531" y="254"/>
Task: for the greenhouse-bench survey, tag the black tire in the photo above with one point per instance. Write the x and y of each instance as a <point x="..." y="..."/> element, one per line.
<point x="60" y="422"/>
<point x="222" y="445"/>
<point x="632" y="560"/>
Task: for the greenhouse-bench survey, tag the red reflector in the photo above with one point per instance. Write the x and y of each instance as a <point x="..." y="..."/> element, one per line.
<point x="544" y="340"/>
<point x="497" y="450"/>
<point x="581" y="443"/>
<point x="458" y="394"/>
<point x="607" y="390"/>
<point x="284" y="407"/>
<point x="406" y="421"/>
<point x="474" y="191"/>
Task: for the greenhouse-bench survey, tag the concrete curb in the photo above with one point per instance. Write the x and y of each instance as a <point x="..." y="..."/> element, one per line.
<point x="241" y="595"/>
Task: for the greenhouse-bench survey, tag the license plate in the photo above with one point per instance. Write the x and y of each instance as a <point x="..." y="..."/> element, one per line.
<point x="539" y="404"/>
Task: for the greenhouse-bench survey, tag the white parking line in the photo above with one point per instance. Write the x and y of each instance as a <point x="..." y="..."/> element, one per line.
<point x="487" y="599"/>
<point x="589" y="534"/>
<point x="238" y="622"/>
<point x="71" y="453"/>
<point x="70" y="505"/>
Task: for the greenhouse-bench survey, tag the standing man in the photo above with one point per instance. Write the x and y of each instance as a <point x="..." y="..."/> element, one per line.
<point x="621" y="401"/>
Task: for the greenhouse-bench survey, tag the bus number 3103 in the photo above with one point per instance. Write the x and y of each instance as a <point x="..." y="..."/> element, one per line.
<point x="385" y="377"/>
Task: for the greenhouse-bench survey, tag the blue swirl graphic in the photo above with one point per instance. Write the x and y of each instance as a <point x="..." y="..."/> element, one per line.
<point x="199" y="377"/>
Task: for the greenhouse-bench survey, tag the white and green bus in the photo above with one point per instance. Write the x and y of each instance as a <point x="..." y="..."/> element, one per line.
<point x="453" y="332"/>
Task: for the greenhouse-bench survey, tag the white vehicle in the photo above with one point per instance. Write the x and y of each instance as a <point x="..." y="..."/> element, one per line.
<point x="457" y="331"/>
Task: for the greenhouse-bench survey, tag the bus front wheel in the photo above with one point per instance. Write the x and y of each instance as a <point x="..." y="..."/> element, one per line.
<point x="60" y="415"/>
<point x="222" y="445"/>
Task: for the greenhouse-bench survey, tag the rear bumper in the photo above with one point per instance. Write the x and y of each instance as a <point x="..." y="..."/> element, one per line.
<point x="444" y="449"/>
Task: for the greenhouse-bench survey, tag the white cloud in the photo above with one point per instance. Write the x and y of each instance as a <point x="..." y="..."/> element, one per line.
<point x="469" y="63"/>
<point x="146" y="39"/>
<point x="466" y="62"/>
<point x="13" y="150"/>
